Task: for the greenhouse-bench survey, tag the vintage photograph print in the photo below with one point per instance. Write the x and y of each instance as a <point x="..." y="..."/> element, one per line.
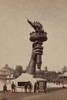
<point x="33" y="49"/>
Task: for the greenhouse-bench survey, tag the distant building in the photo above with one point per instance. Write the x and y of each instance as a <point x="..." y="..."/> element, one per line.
<point x="63" y="78"/>
<point x="6" y="73"/>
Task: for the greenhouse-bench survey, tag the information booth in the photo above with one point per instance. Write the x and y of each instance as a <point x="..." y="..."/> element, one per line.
<point x="26" y="81"/>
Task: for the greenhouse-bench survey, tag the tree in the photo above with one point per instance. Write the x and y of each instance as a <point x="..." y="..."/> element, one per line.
<point x="18" y="71"/>
<point x="59" y="72"/>
<point x="19" y="68"/>
<point x="46" y="69"/>
<point x="64" y="69"/>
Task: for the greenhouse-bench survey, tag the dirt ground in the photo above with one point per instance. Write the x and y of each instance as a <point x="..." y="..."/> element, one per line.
<point x="50" y="95"/>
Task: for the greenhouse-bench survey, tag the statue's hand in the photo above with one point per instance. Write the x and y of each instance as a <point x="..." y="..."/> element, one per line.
<point x="36" y="50"/>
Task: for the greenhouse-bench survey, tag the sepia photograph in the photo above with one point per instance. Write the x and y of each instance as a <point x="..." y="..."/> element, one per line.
<point x="33" y="49"/>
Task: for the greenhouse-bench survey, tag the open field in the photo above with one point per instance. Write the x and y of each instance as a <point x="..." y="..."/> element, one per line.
<point x="52" y="94"/>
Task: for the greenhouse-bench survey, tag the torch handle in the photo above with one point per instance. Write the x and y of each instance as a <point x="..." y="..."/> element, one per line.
<point x="39" y="56"/>
<point x="39" y="61"/>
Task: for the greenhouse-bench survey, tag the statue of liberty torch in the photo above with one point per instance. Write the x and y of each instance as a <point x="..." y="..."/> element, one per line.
<point x="37" y="37"/>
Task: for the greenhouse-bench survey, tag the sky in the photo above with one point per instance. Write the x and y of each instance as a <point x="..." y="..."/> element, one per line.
<point x="15" y="46"/>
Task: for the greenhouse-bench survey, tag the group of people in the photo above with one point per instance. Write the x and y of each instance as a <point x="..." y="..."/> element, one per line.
<point x="13" y="87"/>
<point x="36" y="87"/>
<point x="27" y="86"/>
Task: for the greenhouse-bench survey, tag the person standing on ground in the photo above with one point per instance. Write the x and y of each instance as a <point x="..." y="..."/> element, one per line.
<point x="26" y="85"/>
<point x="44" y="87"/>
<point x="35" y="87"/>
<point x="5" y="88"/>
<point x="30" y="86"/>
<point x="13" y="86"/>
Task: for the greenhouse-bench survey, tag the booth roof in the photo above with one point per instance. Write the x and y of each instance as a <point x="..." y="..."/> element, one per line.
<point x="25" y="77"/>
